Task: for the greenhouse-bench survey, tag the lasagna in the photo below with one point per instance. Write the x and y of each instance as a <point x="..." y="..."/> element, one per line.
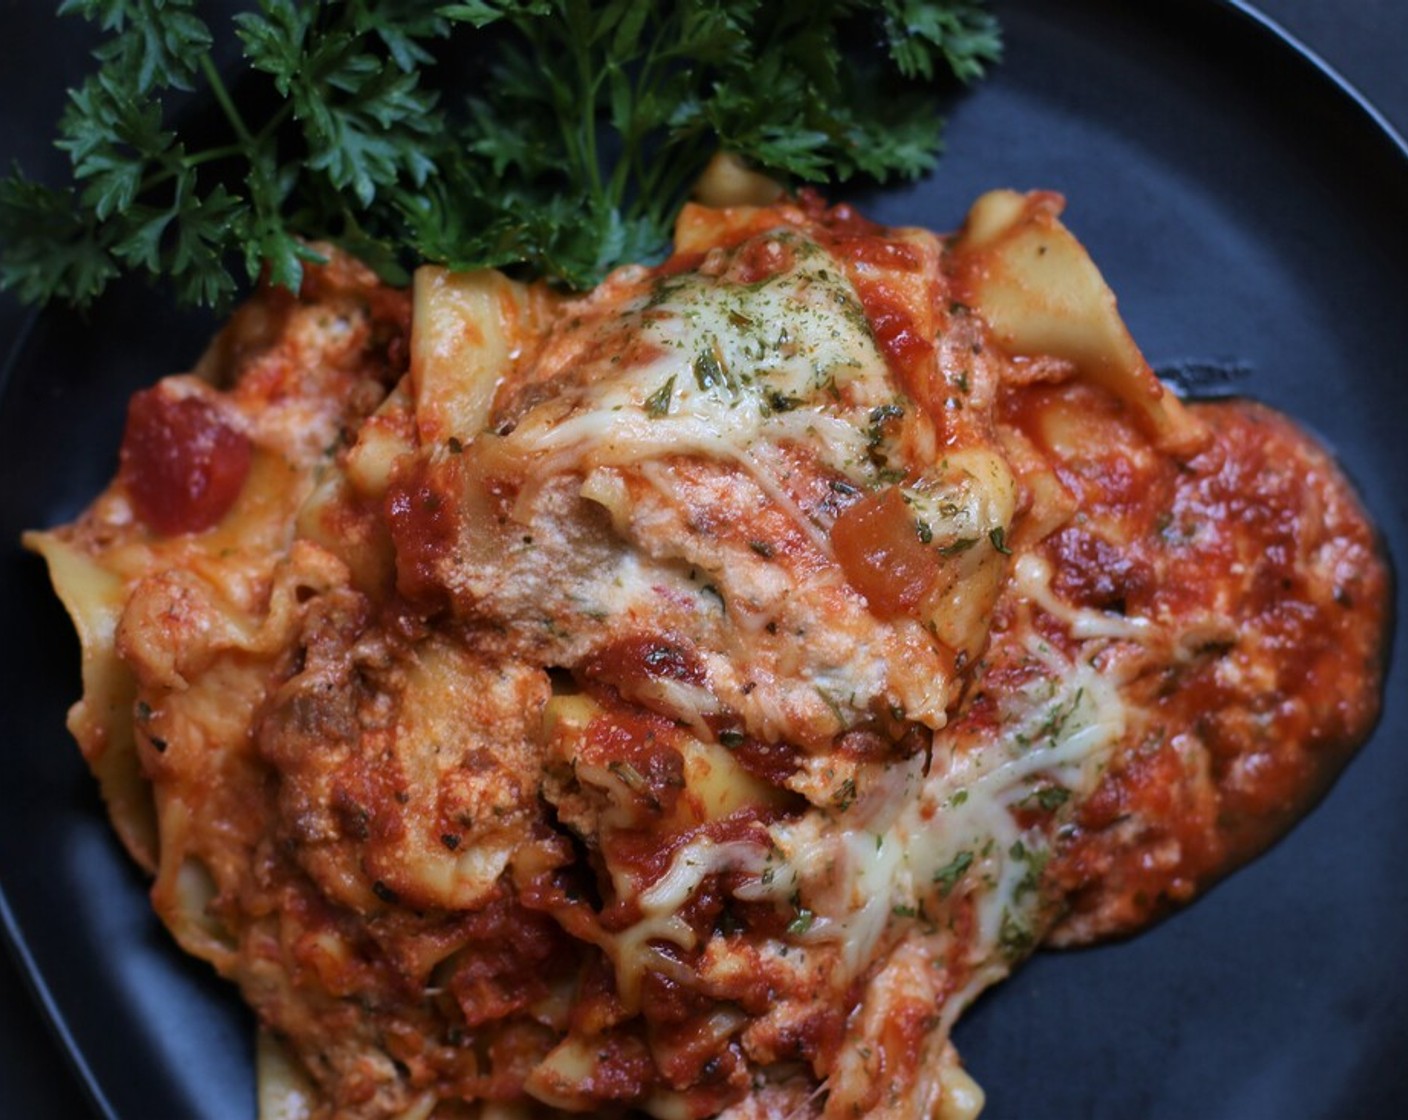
<point x="685" y="698"/>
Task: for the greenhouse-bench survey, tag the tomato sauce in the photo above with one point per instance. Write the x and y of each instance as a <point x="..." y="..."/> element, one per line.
<point x="422" y="512"/>
<point x="642" y="658"/>
<point x="1257" y="708"/>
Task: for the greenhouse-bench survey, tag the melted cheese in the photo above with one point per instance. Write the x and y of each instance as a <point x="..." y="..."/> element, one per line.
<point x="912" y="843"/>
<point x="1032" y="575"/>
<point x="735" y="364"/>
<point x="736" y="369"/>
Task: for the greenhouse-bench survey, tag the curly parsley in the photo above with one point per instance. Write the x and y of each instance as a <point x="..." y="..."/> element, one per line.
<point x="588" y="122"/>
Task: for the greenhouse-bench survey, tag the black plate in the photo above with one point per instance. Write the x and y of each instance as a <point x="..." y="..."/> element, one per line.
<point x="1250" y="214"/>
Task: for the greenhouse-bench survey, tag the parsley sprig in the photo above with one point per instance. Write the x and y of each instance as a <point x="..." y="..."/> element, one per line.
<point x="585" y="123"/>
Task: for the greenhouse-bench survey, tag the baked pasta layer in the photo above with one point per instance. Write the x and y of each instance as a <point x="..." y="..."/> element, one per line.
<point x="684" y="699"/>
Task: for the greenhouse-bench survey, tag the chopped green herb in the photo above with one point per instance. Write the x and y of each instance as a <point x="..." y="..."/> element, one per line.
<point x="953" y="548"/>
<point x="845" y="795"/>
<point x="880" y="419"/>
<point x="635" y="781"/>
<point x="1036" y="862"/>
<point x="949" y="874"/>
<point x="1052" y="798"/>
<point x="629" y="775"/>
<point x="998" y="537"/>
<point x="830" y="701"/>
<point x="1014" y="938"/>
<point x="658" y="403"/>
<point x="776" y="401"/>
<point x="709" y="371"/>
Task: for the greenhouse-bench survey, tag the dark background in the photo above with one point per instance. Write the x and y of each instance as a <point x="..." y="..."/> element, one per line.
<point x="1365" y="40"/>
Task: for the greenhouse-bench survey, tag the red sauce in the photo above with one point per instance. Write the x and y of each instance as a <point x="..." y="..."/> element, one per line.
<point x="879" y="252"/>
<point x="761" y="258"/>
<point x="640" y="658"/>
<point x="1091" y="572"/>
<point x="843" y="219"/>
<point x="678" y="263"/>
<point x="647" y="853"/>
<point x="505" y="966"/>
<point x="1257" y="548"/>
<point x="900" y="341"/>
<point x="872" y="263"/>
<point x="623" y="1070"/>
<point x="813" y="1035"/>
<point x="184" y="464"/>
<point x="772" y="762"/>
<point x="638" y="747"/>
<point x="421" y="508"/>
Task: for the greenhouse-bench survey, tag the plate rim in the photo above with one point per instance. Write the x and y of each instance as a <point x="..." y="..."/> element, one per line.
<point x="1270" y="35"/>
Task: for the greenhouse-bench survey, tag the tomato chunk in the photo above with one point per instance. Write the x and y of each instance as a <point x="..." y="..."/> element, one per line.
<point x="184" y="465"/>
<point x="878" y="546"/>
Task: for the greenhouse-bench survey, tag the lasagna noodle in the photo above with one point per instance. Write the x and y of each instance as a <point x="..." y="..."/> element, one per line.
<point x="686" y="698"/>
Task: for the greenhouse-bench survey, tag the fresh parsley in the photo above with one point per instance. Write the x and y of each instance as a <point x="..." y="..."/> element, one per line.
<point x="337" y="121"/>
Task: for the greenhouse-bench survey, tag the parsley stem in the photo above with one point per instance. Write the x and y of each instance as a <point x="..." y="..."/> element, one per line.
<point x="227" y="105"/>
<point x="210" y="155"/>
<point x="273" y="124"/>
<point x="670" y="181"/>
<point x="586" y="107"/>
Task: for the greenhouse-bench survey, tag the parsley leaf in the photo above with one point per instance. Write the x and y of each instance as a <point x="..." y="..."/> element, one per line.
<point x="589" y="121"/>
